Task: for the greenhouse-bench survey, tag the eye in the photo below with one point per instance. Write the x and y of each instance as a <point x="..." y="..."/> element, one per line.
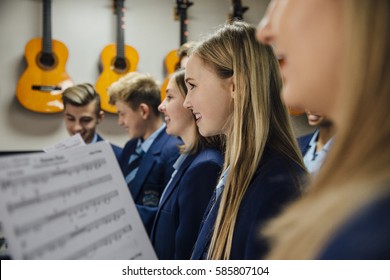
<point x="190" y="86"/>
<point x="86" y="120"/>
<point x="168" y="97"/>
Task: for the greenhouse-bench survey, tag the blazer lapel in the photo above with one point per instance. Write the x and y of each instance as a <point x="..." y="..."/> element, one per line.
<point x="206" y="230"/>
<point x="144" y="168"/>
<point x="171" y="187"/>
<point x="147" y="164"/>
<point x="179" y="174"/>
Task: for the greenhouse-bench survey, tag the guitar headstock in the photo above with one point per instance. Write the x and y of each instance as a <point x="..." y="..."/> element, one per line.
<point x="181" y="8"/>
<point x="237" y="10"/>
<point x="119" y="6"/>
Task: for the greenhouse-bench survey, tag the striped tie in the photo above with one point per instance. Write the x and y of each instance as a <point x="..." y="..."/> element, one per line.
<point x="134" y="162"/>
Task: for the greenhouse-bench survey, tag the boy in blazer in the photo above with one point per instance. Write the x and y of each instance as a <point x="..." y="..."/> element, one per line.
<point x="148" y="157"/>
<point x="82" y="113"/>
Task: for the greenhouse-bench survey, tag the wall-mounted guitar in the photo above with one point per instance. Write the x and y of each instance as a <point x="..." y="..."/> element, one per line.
<point x="41" y="84"/>
<point x="117" y="60"/>
<point x="172" y="59"/>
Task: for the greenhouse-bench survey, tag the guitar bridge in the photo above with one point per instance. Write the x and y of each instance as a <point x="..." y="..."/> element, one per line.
<point x="45" y="88"/>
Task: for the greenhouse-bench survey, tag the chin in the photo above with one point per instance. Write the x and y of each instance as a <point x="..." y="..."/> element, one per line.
<point x="205" y="133"/>
<point x="169" y="131"/>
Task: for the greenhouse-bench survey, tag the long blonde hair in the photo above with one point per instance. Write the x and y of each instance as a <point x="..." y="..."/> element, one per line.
<point x="357" y="170"/>
<point x="259" y="118"/>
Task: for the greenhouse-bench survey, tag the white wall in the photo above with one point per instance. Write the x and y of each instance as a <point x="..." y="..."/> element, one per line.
<point x="86" y="27"/>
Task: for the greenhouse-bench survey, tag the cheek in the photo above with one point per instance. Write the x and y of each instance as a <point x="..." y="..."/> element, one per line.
<point x="69" y="125"/>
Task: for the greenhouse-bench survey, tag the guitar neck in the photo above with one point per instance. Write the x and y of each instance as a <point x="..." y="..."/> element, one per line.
<point x="120" y="32"/>
<point x="47" y="39"/>
<point x="237" y="10"/>
<point x="183" y="27"/>
<point x="181" y="8"/>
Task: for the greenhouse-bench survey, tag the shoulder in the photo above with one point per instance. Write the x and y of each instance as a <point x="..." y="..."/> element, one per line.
<point x="130" y="145"/>
<point x="166" y="140"/>
<point x="116" y="148"/>
<point x="208" y="155"/>
<point x="277" y="167"/>
<point x="364" y="236"/>
<point x="277" y="179"/>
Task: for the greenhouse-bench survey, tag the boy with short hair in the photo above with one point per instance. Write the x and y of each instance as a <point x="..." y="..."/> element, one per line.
<point x="149" y="155"/>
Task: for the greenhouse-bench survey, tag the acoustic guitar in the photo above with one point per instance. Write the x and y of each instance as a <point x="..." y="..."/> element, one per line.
<point x="117" y="60"/>
<point x="172" y="58"/>
<point x="40" y="86"/>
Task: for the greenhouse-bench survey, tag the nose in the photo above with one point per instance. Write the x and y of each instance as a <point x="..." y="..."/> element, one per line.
<point x="187" y="102"/>
<point x="265" y="30"/>
<point x="161" y="107"/>
<point x="77" y="127"/>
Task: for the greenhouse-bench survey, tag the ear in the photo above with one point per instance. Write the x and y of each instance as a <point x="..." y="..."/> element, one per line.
<point x="232" y="86"/>
<point x="144" y="110"/>
<point x="100" y="116"/>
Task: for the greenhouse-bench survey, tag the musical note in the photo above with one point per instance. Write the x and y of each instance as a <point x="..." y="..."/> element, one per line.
<point x="58" y="194"/>
<point x="71" y="204"/>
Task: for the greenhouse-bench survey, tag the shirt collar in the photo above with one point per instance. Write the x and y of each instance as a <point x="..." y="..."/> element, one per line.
<point x="95" y="139"/>
<point x="179" y="161"/>
<point x="149" y="141"/>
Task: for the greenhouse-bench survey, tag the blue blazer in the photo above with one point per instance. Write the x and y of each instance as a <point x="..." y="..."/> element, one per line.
<point x="117" y="150"/>
<point x="364" y="236"/>
<point x="304" y="141"/>
<point x="180" y="212"/>
<point x="275" y="183"/>
<point x="154" y="173"/>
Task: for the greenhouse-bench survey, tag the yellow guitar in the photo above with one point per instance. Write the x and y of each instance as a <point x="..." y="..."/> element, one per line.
<point x="117" y="60"/>
<point x="172" y="58"/>
<point x="41" y="84"/>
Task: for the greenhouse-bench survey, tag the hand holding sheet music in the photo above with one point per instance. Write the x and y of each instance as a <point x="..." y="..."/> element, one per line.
<point x="71" y="204"/>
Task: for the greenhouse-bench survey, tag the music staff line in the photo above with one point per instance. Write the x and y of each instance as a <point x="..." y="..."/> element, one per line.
<point x="37" y="224"/>
<point x="100" y="243"/>
<point x="61" y="193"/>
<point x="45" y="176"/>
<point x="64" y="239"/>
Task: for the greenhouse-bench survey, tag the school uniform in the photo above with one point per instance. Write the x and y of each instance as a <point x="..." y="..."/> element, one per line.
<point x="304" y="143"/>
<point x="364" y="236"/>
<point x="154" y="171"/>
<point x="275" y="183"/>
<point x="117" y="150"/>
<point x="184" y="202"/>
<point x="313" y="159"/>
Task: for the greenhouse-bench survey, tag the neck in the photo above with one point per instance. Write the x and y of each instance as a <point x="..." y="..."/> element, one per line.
<point x="188" y="135"/>
<point x="154" y="124"/>
<point x="324" y="135"/>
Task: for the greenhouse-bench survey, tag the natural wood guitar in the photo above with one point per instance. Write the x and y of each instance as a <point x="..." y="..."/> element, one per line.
<point x="117" y="60"/>
<point x="172" y="58"/>
<point x="40" y="86"/>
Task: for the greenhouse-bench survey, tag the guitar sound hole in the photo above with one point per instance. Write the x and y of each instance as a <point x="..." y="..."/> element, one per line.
<point x="120" y="64"/>
<point x="47" y="60"/>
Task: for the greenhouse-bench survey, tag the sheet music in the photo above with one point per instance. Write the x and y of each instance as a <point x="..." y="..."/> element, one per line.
<point x="71" y="204"/>
<point x="72" y="142"/>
